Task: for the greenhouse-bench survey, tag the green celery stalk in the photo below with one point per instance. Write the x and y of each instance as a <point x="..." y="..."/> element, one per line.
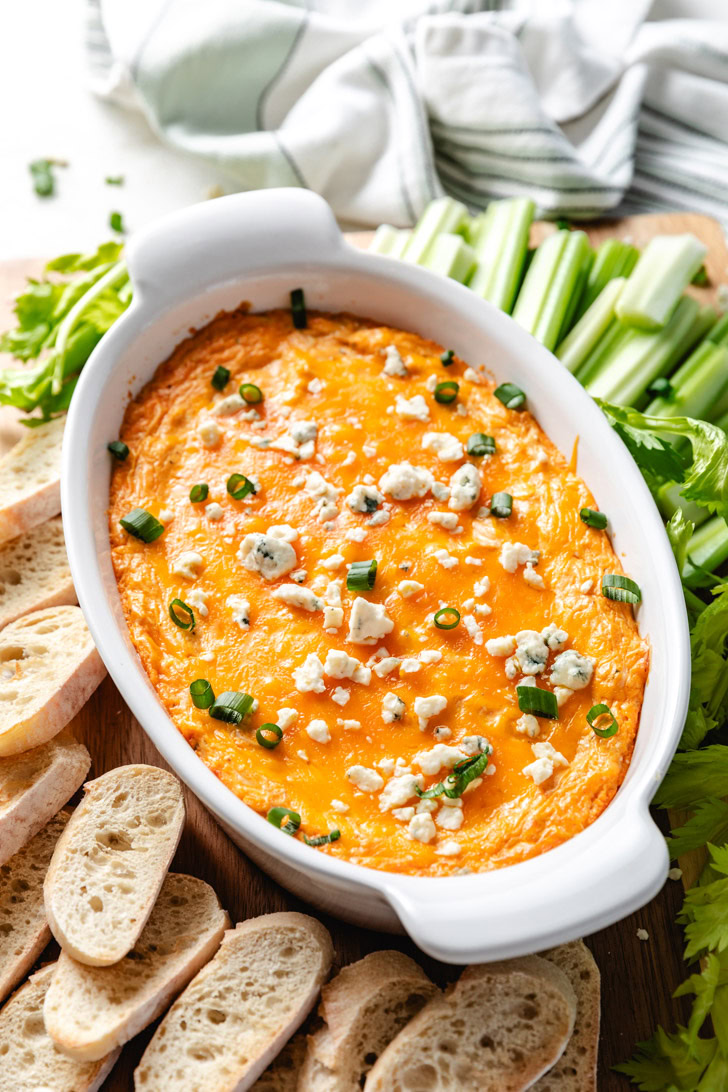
<point x="722" y="422"/>
<point x="585" y="334"/>
<point x="697" y="384"/>
<point x="500" y="240"/>
<point x="442" y="214"/>
<point x="613" y="258"/>
<point x="390" y="241"/>
<point x="708" y="549"/>
<point x="579" y="285"/>
<point x="664" y="270"/>
<point x="550" y="281"/>
<point x="615" y="336"/>
<point x="450" y="256"/>
<point x="669" y="500"/>
<point x="719" y="333"/>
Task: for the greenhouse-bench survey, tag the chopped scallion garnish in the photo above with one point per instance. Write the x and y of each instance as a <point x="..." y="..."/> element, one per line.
<point x="361" y="575"/>
<point x="447" y="618"/>
<point x="199" y="492"/>
<point x="510" y="395"/>
<point x="202" y="694"/>
<point x="231" y="706"/>
<point x="264" y="733"/>
<point x="447" y="358"/>
<point x="501" y="505"/>
<point x="592" y="518"/>
<point x="239" y="487"/>
<point x="446" y="392"/>
<point x="276" y="816"/>
<point x="116" y="222"/>
<point x="250" y="393"/>
<point x="621" y="588"/>
<point x="220" y="377"/>
<point x="182" y="615"/>
<point x="298" y="309"/>
<point x="118" y="449"/>
<point x="457" y="782"/>
<point x="541" y="703"/>
<point x="323" y="839"/>
<point x="480" y="444"/>
<point x="142" y="524"/>
<point x="596" y="714"/>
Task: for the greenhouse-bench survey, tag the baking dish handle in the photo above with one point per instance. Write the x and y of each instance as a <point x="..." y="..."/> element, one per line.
<point x="197" y="248"/>
<point x="621" y="872"/>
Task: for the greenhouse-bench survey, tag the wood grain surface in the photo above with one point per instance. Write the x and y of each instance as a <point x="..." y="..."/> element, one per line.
<point x="638" y="977"/>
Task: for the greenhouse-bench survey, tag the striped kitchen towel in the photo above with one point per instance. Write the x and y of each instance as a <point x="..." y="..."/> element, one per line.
<point x="591" y="107"/>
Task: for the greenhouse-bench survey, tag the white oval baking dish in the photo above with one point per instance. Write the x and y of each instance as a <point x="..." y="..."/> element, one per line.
<point x="257" y="247"/>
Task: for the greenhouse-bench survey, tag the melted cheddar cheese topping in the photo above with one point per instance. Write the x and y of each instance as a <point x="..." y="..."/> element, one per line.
<point x="354" y="459"/>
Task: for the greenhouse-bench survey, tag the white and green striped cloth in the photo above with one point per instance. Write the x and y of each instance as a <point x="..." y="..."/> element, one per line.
<point x="589" y="106"/>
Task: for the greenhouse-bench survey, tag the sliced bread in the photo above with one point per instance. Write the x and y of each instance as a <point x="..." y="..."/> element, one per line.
<point x="363" y="1008"/>
<point x="49" y="668"/>
<point x="30" y="1061"/>
<point x="576" y="1069"/>
<point x="497" y="1029"/>
<point x="111" y="860"/>
<point x="283" y="1072"/>
<point x="90" y="1010"/>
<point x="34" y="785"/>
<point x="30" y="480"/>
<point x="241" y="1008"/>
<point x="24" y="930"/>
<point x="34" y="572"/>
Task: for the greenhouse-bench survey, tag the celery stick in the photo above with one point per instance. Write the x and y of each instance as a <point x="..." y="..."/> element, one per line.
<point x="551" y="279"/>
<point x="665" y="268"/>
<point x="583" y="337"/>
<point x="697" y="384"/>
<point x="389" y="240"/>
<point x="722" y="422"/>
<point x="451" y="256"/>
<point x="708" y="549"/>
<point x="608" y="346"/>
<point x="613" y="258"/>
<point x="669" y="500"/>
<point x="576" y="294"/>
<point x="442" y="214"/>
<point x="500" y="241"/>
<point x="719" y="333"/>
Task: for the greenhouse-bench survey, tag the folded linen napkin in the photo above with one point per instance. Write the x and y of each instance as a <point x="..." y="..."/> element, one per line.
<point x="381" y="105"/>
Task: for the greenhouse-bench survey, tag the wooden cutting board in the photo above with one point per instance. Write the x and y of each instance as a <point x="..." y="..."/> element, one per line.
<point x="638" y="978"/>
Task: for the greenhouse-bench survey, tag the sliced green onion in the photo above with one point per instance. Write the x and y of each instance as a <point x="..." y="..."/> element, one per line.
<point x="238" y="486"/>
<point x="323" y="839"/>
<point x="116" y="222"/>
<point x="446" y="392"/>
<point x="250" y="393"/>
<point x="231" y="706"/>
<point x="118" y="449"/>
<point x="447" y="358"/>
<point x="593" y="518"/>
<point x="457" y="782"/>
<point x="542" y="703"/>
<point x="621" y="588"/>
<point x="480" y="444"/>
<point x="361" y="575"/>
<point x="501" y="505"/>
<point x="202" y="694"/>
<point x="265" y="732"/>
<point x="292" y="823"/>
<point x="595" y="714"/>
<point x="510" y="395"/>
<point x="142" y="524"/>
<point x="220" y="377"/>
<point x="447" y="618"/>
<point x="199" y="492"/>
<point x="185" y="620"/>
<point x="298" y="309"/>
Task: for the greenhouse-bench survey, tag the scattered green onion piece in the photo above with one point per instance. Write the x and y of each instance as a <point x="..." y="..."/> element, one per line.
<point x="263" y="736"/>
<point x="501" y="506"/>
<point x="447" y="358"/>
<point x="187" y="620"/>
<point x="444" y="618"/>
<point x="593" y="518"/>
<point x="661" y="388"/>
<point x="595" y="714"/>
<point x="231" y="706"/>
<point x="118" y="449"/>
<point x="220" y="377"/>
<point x="701" y="277"/>
<point x="361" y="576"/>
<point x="510" y="395"/>
<point x="480" y="444"/>
<point x="199" y="492"/>
<point x="250" y="393"/>
<point x="292" y="823"/>
<point x="116" y="222"/>
<point x="323" y="839"/>
<point x="298" y="309"/>
<point x="446" y="392"/>
<point x="114" y="180"/>
<point x="238" y="486"/>
<point x="563" y="225"/>
<point x="541" y="703"/>
<point x="621" y="588"/>
<point x="142" y="524"/>
<point x="457" y="782"/>
<point x="202" y="694"/>
<point x="41" y="171"/>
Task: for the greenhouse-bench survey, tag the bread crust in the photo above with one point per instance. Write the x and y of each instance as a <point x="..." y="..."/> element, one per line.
<point x="30" y="479"/>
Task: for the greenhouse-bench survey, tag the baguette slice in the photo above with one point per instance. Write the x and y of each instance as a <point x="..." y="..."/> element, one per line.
<point x="34" y="572"/>
<point x="34" y="785"/>
<point x="30" y="1061"/>
<point x="363" y="1008"/>
<point x="30" y="480"/>
<point x="497" y="1029"/>
<point x="283" y="1072"/>
<point x="49" y="668"/>
<point x="90" y="1010"/>
<point x="576" y="1069"/>
<point x="111" y="860"/>
<point x="235" y="1016"/>
<point x="24" y="930"/>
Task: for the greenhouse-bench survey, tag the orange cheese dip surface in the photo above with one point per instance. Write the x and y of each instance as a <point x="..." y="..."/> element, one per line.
<point x="354" y="459"/>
